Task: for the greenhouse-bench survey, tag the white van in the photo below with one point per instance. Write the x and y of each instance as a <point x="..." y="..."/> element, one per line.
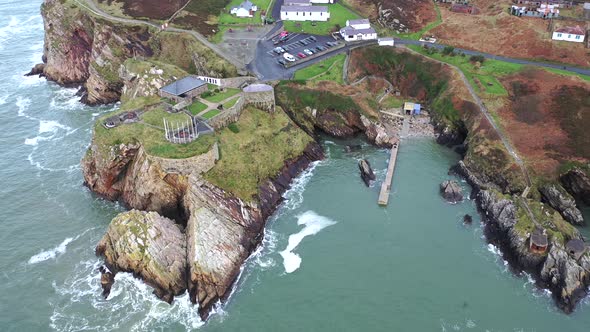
<point x="289" y="57"/>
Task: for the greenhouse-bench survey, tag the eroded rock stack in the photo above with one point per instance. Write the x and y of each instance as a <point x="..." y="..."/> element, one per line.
<point x="147" y="245"/>
<point x="366" y="172"/>
<point x="451" y="191"/>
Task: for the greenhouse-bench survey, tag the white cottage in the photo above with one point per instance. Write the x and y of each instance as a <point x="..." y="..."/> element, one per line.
<point x="358" y="30"/>
<point x="245" y="9"/>
<point x="572" y="34"/>
<point x="305" y="13"/>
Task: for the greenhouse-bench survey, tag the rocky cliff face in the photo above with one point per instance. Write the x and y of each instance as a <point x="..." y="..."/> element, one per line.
<point x="82" y="49"/>
<point x="577" y="183"/>
<point x="563" y="202"/>
<point x="151" y="247"/>
<point x="221" y="230"/>
<point x="567" y="278"/>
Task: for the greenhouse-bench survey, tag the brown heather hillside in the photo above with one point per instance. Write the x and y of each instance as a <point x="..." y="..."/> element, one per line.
<point x="547" y="117"/>
<point x="497" y="32"/>
<point x="156" y="9"/>
<point x="399" y="15"/>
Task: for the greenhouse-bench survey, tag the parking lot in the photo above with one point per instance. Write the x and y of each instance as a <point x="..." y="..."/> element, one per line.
<point x="266" y="63"/>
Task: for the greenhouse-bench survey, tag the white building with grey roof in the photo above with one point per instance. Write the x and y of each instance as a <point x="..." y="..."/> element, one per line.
<point x="356" y="30"/>
<point x="305" y="13"/>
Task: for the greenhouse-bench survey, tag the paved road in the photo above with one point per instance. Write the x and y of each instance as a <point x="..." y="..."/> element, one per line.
<point x="584" y="71"/>
<point x="91" y="5"/>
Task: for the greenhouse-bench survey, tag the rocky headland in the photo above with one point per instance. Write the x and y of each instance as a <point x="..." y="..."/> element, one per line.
<point x="196" y="216"/>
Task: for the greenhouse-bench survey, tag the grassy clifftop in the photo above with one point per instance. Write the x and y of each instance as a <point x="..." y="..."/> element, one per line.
<point x="255" y="149"/>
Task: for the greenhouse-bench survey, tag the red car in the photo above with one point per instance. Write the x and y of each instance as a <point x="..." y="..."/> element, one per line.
<point x="301" y="55"/>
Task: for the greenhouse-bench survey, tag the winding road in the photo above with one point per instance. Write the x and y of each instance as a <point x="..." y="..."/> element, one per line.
<point x="91" y="6"/>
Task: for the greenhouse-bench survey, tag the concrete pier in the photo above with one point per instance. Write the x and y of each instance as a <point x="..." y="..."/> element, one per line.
<point x="386" y="186"/>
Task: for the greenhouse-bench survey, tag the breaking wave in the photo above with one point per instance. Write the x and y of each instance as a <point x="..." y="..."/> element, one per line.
<point x="131" y="306"/>
<point x="294" y="196"/>
<point x="313" y="223"/>
<point x="47" y="130"/>
<point x="52" y="253"/>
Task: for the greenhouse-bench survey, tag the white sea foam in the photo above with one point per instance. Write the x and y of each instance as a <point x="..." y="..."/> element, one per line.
<point x="23" y="105"/>
<point x="3" y="99"/>
<point x="131" y="305"/>
<point x="313" y="223"/>
<point x="51" y="253"/>
<point x="47" y="130"/>
<point x="294" y="196"/>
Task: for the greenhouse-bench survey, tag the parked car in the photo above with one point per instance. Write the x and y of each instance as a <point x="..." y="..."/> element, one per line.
<point x="289" y="57"/>
<point x="279" y="50"/>
<point x="304" y="42"/>
<point x="281" y="61"/>
<point x="320" y="48"/>
<point x="301" y="55"/>
<point x="312" y="38"/>
<point x="328" y="45"/>
<point x="307" y="51"/>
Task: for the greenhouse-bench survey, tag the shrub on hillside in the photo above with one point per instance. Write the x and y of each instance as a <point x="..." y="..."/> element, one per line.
<point x="477" y="58"/>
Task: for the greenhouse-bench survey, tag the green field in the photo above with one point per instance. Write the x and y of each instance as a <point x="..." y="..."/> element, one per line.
<point x="217" y="97"/>
<point x="231" y="103"/>
<point x="338" y="17"/>
<point x="487" y="74"/>
<point x="151" y="138"/>
<point x="228" y="19"/>
<point x="211" y="114"/>
<point x="392" y="102"/>
<point x="197" y="107"/>
<point x="255" y="150"/>
<point x="155" y="117"/>
<point x="326" y="70"/>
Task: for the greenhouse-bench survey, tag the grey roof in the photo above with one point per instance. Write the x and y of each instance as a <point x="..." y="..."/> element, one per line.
<point x="539" y="238"/>
<point x="352" y="31"/>
<point x="258" y="88"/>
<point x="297" y="2"/>
<point x="246" y="5"/>
<point x="315" y="9"/>
<point x="183" y="86"/>
<point x="359" y="21"/>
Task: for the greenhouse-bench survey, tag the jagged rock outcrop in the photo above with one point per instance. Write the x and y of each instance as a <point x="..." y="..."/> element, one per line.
<point x="38" y="69"/>
<point x="221" y="229"/>
<point x="151" y="247"/>
<point x="577" y="183"/>
<point x="104" y="168"/>
<point x="567" y="278"/>
<point x="562" y="202"/>
<point x="376" y="133"/>
<point x="451" y="191"/>
<point x="366" y="172"/>
<point x="500" y="215"/>
<point x="83" y="49"/>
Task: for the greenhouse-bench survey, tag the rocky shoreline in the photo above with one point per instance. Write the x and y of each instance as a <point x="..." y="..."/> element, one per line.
<point x="202" y="252"/>
<point x="555" y="269"/>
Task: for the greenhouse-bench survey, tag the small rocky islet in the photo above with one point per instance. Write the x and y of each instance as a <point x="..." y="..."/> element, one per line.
<point x="195" y="218"/>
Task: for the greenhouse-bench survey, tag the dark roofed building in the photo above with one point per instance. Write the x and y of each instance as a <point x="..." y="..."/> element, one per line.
<point x="538" y="241"/>
<point x="188" y="87"/>
<point x="576" y="248"/>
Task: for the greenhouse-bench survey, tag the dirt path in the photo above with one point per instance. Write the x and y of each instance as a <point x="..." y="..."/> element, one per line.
<point x="505" y="141"/>
<point x="91" y="6"/>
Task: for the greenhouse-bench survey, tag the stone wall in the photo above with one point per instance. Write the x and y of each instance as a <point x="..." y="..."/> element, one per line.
<point x="228" y="116"/>
<point x="237" y="82"/>
<point x="264" y="100"/>
<point x="194" y="165"/>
